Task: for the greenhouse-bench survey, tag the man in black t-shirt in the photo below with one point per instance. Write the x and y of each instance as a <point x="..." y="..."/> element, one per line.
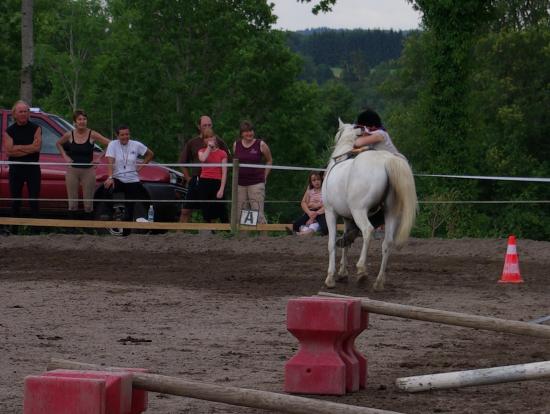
<point x="23" y="141"/>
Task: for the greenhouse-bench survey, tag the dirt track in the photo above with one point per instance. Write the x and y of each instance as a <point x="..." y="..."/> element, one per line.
<point x="212" y="309"/>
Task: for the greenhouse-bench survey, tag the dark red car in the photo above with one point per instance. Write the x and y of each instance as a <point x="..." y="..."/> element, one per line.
<point x="164" y="186"/>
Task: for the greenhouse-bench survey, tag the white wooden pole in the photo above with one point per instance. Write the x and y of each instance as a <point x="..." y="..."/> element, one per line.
<point x="486" y="376"/>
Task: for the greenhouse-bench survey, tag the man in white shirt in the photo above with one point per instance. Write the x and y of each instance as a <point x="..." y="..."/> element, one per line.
<point x="122" y="156"/>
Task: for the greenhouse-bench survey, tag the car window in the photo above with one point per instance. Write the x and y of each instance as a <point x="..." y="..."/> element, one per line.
<point x="66" y="125"/>
<point x="49" y="135"/>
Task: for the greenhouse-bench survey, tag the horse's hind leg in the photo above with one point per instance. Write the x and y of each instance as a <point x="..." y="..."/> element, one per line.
<point x="387" y="246"/>
<point x="331" y="224"/>
<point x="343" y="269"/>
<point x="362" y="221"/>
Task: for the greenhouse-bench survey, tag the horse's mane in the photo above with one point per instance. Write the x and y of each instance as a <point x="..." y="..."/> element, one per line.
<point x="344" y="139"/>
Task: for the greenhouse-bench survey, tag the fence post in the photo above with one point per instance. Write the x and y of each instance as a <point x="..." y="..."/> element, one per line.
<point x="235" y="197"/>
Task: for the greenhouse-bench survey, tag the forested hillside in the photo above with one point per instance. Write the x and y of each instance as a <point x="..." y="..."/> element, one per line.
<point x="468" y="94"/>
<point x="335" y="47"/>
<point x="345" y="54"/>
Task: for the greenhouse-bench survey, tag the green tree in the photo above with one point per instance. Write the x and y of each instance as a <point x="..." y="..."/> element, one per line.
<point x="503" y="83"/>
<point x="10" y="51"/>
<point x="70" y="37"/>
<point x="27" y="49"/>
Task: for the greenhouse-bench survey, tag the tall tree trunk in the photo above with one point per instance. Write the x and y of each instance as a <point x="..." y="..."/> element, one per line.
<point x="27" y="50"/>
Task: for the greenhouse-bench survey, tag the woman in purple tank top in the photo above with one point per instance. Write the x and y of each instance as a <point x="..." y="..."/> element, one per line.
<point x="251" y="185"/>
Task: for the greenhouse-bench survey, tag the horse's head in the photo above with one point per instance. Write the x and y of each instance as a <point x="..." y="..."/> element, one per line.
<point x="344" y="138"/>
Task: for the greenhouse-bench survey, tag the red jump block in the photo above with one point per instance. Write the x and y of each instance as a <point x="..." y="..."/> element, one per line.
<point x="140" y="399"/>
<point x="349" y="354"/>
<point x="350" y="346"/>
<point x="118" y="387"/>
<point x="327" y="361"/>
<point x="53" y="395"/>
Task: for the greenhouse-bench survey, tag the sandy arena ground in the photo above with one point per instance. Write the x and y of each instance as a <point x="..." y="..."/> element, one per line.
<point x="212" y="308"/>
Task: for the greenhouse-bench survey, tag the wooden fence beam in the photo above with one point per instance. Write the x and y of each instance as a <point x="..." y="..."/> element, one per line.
<point x="450" y="318"/>
<point x="156" y="225"/>
<point x="243" y="397"/>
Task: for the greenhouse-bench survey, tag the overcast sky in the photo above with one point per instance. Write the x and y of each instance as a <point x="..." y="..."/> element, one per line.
<point x="347" y="14"/>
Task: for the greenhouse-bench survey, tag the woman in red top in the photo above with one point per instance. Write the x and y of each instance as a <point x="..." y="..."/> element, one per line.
<point x="212" y="179"/>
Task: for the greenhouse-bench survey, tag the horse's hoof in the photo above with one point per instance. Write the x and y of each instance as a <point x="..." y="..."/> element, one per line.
<point x="377" y="287"/>
<point x="342" y="279"/>
<point x="330" y="283"/>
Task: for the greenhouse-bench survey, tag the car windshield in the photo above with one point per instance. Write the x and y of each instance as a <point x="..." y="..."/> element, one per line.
<point x="63" y="123"/>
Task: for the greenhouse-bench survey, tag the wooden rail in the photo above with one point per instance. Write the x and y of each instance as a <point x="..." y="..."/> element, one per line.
<point x="450" y="318"/>
<point x="243" y="397"/>
<point x="11" y="221"/>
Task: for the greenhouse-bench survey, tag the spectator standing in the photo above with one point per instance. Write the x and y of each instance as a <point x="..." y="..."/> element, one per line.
<point x="23" y="140"/>
<point x="82" y="172"/>
<point x="122" y="157"/>
<point x="313" y="218"/>
<point x="251" y="184"/>
<point x="189" y="155"/>
<point x="212" y="179"/>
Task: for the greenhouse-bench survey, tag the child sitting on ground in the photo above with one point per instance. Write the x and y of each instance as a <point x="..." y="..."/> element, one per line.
<point x="313" y="219"/>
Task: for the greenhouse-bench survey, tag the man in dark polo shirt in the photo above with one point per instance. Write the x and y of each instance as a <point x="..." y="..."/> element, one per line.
<point x="189" y="155"/>
<point x="22" y="141"/>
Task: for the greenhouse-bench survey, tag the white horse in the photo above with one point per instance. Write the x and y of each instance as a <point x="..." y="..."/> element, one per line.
<point x="352" y="187"/>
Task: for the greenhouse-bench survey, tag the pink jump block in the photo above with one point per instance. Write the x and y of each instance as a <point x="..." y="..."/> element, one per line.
<point x="84" y="392"/>
<point x="49" y="395"/>
<point x="360" y="357"/>
<point x="140" y="398"/>
<point x="118" y="387"/>
<point x="327" y="361"/>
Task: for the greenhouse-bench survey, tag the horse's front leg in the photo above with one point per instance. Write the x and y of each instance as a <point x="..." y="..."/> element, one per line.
<point x="331" y="225"/>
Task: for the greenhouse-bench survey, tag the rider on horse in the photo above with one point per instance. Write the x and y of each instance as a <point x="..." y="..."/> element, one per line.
<point x="373" y="137"/>
<point x="373" y="134"/>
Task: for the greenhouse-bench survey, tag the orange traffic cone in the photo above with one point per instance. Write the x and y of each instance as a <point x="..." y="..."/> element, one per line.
<point x="510" y="273"/>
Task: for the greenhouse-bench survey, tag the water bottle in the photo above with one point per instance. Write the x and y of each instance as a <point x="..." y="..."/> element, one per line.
<point x="151" y="213"/>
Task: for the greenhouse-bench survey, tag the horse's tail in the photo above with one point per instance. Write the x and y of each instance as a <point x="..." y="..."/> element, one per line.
<point x="402" y="183"/>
